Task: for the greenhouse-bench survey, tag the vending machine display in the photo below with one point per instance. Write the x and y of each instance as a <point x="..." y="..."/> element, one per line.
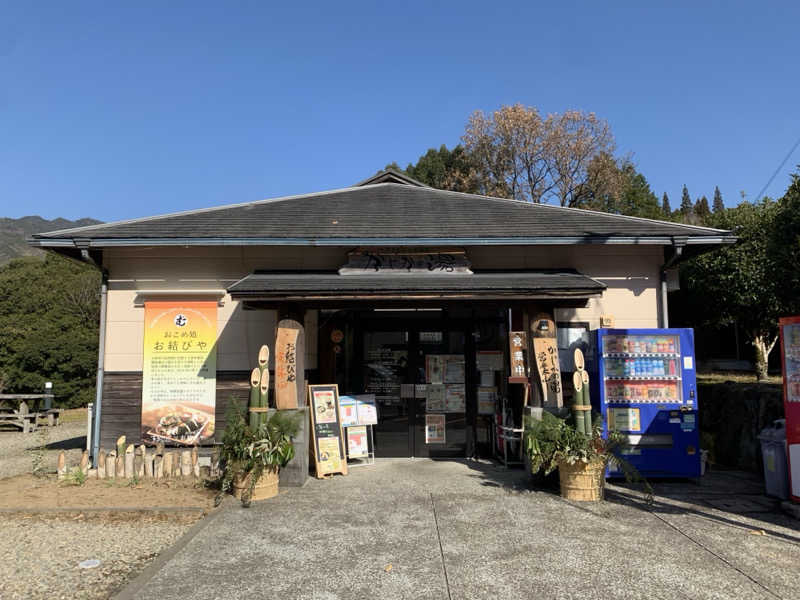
<point x="648" y="392"/>
<point x="790" y="355"/>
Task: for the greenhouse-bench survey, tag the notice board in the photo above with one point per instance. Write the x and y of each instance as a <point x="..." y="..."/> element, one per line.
<point x="327" y="440"/>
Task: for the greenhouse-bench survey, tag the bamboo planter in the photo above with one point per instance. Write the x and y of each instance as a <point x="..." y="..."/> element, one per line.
<point x="266" y="486"/>
<point x="582" y="482"/>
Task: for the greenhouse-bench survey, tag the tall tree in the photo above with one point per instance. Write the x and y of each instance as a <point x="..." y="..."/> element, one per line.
<point x="519" y="154"/>
<point x="741" y="279"/>
<point x="717" y="205"/>
<point x="445" y="170"/>
<point x="666" y="209"/>
<point x="49" y="312"/>
<point x="687" y="208"/>
<point x="617" y="187"/>
<point x="701" y="210"/>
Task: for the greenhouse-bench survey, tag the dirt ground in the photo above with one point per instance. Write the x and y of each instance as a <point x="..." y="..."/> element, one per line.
<point x="29" y="492"/>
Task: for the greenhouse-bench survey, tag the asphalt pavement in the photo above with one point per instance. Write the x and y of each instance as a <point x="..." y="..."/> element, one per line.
<point x="446" y="530"/>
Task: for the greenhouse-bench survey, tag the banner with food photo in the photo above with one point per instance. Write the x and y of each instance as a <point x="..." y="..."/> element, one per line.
<point x="179" y="372"/>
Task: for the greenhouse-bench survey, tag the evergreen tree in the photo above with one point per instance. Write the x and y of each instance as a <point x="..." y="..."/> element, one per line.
<point x="701" y="209"/>
<point x="718" y="205"/>
<point x="665" y="207"/>
<point x="687" y="207"/>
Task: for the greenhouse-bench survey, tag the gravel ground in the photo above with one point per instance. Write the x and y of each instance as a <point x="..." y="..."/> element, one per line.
<point x="15" y="447"/>
<point x="39" y="555"/>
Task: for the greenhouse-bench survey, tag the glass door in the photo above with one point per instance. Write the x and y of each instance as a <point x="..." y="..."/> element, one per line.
<point x="386" y="372"/>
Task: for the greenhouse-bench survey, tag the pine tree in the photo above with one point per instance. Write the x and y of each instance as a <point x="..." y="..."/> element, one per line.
<point x="701" y="210"/>
<point x="687" y="208"/>
<point x="665" y="207"/>
<point x="718" y="205"/>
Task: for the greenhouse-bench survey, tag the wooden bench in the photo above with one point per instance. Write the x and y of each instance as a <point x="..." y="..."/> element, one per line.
<point x="20" y="415"/>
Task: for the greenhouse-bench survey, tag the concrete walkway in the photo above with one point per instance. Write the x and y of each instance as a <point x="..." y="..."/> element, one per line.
<point x="446" y="530"/>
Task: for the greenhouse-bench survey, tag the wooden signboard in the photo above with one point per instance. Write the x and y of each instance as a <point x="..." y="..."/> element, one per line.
<point x="327" y="440"/>
<point x="290" y="365"/>
<point x="545" y="355"/>
<point x="518" y="355"/>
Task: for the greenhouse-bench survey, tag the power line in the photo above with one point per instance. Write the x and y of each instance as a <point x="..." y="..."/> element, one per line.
<point x="778" y="170"/>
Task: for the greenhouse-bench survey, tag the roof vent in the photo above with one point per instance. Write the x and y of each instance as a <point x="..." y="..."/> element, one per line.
<point x="390" y="176"/>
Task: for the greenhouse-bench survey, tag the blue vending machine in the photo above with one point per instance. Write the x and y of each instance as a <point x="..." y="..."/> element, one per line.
<point x="648" y="391"/>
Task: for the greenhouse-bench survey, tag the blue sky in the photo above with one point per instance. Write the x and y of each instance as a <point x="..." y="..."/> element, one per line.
<point x="115" y="111"/>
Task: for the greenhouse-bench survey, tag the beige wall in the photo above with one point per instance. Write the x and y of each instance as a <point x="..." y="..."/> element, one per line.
<point x="630" y="272"/>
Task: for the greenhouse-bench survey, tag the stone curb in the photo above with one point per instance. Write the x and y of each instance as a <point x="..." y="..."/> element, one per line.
<point x="103" y="509"/>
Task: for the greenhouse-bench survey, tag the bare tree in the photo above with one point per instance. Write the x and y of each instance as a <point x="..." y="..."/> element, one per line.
<point x="518" y="154"/>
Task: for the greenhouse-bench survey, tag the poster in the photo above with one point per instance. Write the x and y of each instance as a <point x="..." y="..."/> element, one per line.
<point x="324" y="406"/>
<point x="455" y="398"/>
<point x="328" y="448"/>
<point x="434" y="429"/>
<point x="454" y="369"/>
<point x="435" y="398"/>
<point x="357" y="446"/>
<point x="179" y="372"/>
<point x="487" y="397"/>
<point x="367" y="414"/>
<point x="489" y="360"/>
<point x="348" y="411"/>
<point x="434" y="368"/>
<point x="791" y="360"/>
<point x="624" y="419"/>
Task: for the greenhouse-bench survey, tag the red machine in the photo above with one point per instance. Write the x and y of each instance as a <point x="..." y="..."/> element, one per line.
<point x="790" y="356"/>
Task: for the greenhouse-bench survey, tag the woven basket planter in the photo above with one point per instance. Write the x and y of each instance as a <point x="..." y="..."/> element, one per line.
<point x="582" y="482"/>
<point x="266" y="486"/>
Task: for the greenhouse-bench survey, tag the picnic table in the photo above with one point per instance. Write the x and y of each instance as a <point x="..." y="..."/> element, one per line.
<point x="25" y="410"/>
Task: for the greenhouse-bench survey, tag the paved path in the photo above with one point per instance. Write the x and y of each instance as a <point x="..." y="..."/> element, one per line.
<point x="447" y="530"/>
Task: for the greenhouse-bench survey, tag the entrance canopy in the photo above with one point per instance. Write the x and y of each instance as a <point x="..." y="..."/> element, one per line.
<point x="505" y="285"/>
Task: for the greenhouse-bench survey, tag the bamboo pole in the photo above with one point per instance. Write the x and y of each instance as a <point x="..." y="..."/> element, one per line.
<point x="587" y="401"/>
<point x="138" y="462"/>
<point x="148" y="463"/>
<point x="121" y="445"/>
<point x="255" y="379"/>
<point x="167" y="465"/>
<point x="101" y="464"/>
<point x="186" y="463"/>
<point x="158" y="467"/>
<point x="577" y="400"/>
<point x="85" y="462"/>
<point x="120" y="466"/>
<point x="129" y="462"/>
<point x="263" y="396"/>
<point x="111" y="464"/>
<point x="61" y="468"/>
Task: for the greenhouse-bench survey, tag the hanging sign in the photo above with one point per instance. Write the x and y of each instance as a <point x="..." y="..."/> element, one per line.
<point x="290" y="365"/>
<point x="518" y="350"/>
<point x="179" y="372"/>
<point x="326" y="430"/>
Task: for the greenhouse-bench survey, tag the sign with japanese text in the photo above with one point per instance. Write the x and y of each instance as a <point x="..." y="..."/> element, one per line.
<point x="327" y="441"/>
<point x="545" y="356"/>
<point x="179" y="373"/>
<point x="290" y="354"/>
<point x="518" y="350"/>
<point x="404" y="260"/>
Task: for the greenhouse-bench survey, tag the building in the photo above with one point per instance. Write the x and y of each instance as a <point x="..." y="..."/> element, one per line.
<point x="382" y="274"/>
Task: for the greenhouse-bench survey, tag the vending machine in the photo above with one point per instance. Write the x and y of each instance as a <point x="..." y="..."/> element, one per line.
<point x="648" y="392"/>
<point x="790" y="357"/>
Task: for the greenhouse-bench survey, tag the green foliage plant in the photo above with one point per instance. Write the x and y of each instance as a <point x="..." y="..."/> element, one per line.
<point x="552" y="441"/>
<point x="75" y="477"/>
<point x="253" y="450"/>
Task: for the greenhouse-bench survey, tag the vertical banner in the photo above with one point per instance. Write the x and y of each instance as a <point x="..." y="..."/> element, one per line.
<point x="179" y="373"/>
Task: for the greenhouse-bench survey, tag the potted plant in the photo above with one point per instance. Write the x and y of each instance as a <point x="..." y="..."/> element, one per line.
<point x="250" y="457"/>
<point x="581" y="458"/>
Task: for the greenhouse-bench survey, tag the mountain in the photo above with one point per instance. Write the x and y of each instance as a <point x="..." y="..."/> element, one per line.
<point x="13" y="233"/>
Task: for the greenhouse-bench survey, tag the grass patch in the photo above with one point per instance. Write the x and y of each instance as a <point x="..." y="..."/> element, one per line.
<point x="736" y="377"/>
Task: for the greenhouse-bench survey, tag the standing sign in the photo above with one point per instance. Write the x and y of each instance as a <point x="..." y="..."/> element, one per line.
<point x="545" y="354"/>
<point x="290" y="365"/>
<point x="326" y="430"/>
<point x="179" y="372"/>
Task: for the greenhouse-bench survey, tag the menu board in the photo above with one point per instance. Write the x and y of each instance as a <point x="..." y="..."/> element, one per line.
<point x="326" y="430"/>
<point x="357" y="445"/>
<point x="348" y="411"/>
<point x="365" y="408"/>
